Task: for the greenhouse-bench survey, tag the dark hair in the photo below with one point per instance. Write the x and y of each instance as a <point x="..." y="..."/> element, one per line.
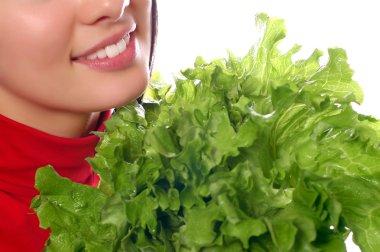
<point x="154" y="22"/>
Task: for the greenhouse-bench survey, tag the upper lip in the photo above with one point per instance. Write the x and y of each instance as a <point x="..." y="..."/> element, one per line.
<point x="113" y="39"/>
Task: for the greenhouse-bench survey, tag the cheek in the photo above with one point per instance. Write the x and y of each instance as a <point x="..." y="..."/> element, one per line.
<point x="34" y="42"/>
<point x="34" y="50"/>
<point x="142" y="13"/>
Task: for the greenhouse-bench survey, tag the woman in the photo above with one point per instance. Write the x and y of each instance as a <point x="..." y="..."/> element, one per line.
<point x="63" y="66"/>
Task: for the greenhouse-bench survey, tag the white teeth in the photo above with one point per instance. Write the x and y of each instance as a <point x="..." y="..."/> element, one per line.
<point x="111" y="51"/>
<point x="121" y="46"/>
<point x="101" y="54"/>
<point x="127" y="38"/>
<point x="92" y="56"/>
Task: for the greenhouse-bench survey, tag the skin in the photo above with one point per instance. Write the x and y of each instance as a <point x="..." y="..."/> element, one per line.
<point x="42" y="87"/>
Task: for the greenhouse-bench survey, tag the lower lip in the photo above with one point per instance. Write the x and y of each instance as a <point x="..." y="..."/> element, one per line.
<point x="119" y="62"/>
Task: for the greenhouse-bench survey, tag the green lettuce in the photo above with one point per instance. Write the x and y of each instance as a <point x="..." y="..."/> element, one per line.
<point x="253" y="153"/>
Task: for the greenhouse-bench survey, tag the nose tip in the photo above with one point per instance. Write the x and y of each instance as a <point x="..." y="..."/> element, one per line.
<point x="91" y="12"/>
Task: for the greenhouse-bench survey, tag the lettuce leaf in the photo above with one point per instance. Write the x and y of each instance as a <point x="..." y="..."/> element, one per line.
<point x="258" y="153"/>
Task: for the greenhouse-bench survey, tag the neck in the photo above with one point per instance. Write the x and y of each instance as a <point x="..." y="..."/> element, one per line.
<point x="62" y="125"/>
<point x="55" y="122"/>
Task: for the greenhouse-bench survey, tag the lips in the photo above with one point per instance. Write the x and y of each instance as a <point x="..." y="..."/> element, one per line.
<point x="115" y="53"/>
<point x="111" y="51"/>
<point x="114" y="39"/>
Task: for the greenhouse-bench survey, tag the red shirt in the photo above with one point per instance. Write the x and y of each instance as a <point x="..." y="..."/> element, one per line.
<point x="23" y="150"/>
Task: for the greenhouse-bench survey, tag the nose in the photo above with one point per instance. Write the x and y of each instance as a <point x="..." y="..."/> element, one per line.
<point x="95" y="11"/>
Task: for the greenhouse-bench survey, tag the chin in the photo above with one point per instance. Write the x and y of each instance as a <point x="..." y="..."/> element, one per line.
<point x="104" y="91"/>
<point x="120" y="97"/>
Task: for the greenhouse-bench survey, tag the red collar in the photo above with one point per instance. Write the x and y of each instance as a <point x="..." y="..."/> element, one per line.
<point x="24" y="149"/>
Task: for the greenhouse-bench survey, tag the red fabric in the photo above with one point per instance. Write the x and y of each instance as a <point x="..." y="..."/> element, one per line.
<point x="22" y="151"/>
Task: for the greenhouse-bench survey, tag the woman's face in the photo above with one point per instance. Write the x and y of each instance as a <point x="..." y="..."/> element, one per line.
<point x="44" y="47"/>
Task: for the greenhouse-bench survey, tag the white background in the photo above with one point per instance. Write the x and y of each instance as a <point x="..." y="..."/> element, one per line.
<point x="188" y="28"/>
<point x="208" y="28"/>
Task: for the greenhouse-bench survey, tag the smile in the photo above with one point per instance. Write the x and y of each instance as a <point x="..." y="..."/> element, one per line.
<point x="112" y="57"/>
<point x="112" y="50"/>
